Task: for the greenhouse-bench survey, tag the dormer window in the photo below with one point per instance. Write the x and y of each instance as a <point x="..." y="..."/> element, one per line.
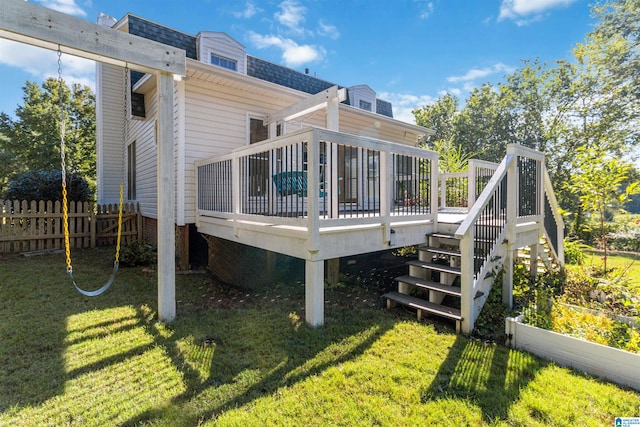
<point x="221" y="50"/>
<point x="362" y="97"/>
<point x="364" y="105"/>
<point x="227" y="63"/>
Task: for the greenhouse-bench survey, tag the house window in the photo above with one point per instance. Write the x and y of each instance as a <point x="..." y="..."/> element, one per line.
<point x="257" y="131"/>
<point x="131" y="171"/>
<point x="364" y="105"/>
<point x="227" y="63"/>
<point x="258" y="164"/>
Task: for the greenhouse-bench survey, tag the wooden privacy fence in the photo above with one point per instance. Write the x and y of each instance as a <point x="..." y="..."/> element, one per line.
<point x="37" y="226"/>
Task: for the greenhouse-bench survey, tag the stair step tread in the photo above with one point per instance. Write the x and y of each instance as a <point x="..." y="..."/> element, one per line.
<point x="443" y="236"/>
<point x="410" y="301"/>
<point x="428" y="284"/>
<point x="435" y="267"/>
<point x="442" y="251"/>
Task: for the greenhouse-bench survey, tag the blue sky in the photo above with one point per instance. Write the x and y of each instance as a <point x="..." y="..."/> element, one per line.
<point x="409" y="51"/>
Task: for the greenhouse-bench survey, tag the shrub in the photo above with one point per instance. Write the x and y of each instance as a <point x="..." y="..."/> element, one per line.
<point x="137" y="253"/>
<point x="47" y="185"/>
<point x="573" y="252"/>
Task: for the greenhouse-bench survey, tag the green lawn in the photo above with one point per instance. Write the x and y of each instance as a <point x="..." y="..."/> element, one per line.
<point x="246" y="358"/>
<point x="629" y="262"/>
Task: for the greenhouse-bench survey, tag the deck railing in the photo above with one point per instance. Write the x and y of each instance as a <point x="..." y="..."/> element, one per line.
<point x="553" y="223"/>
<point x="319" y="174"/>
<point x="461" y="189"/>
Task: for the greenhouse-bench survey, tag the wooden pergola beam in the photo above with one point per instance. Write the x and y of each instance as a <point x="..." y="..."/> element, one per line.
<point x="28" y="23"/>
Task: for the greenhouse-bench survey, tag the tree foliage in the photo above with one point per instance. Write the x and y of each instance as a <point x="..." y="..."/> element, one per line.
<point x="588" y="101"/>
<point x="599" y="186"/>
<point x="47" y="185"/>
<point x="30" y="142"/>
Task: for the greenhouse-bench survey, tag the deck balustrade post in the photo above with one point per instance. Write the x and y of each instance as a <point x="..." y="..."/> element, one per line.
<point x="466" y="283"/>
<point x="512" y="214"/>
<point x="235" y="190"/>
<point x="471" y="183"/>
<point x="534" y="252"/>
<point x="386" y="193"/>
<point x="434" y="190"/>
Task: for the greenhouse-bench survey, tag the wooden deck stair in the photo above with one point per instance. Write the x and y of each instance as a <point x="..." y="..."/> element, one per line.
<point x="431" y="279"/>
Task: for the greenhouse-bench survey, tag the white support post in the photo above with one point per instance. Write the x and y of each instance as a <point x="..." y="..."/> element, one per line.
<point x="471" y="183"/>
<point x="434" y="191"/>
<point x="386" y="192"/>
<point x="314" y="292"/>
<point x="442" y="180"/>
<point x="333" y="116"/>
<point x="466" y="283"/>
<point x="235" y="191"/>
<point x="332" y="165"/>
<point x="166" y="201"/>
<point x="512" y="213"/>
<point x="533" y="261"/>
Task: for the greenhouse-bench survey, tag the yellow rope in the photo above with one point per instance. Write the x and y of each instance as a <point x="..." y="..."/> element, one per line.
<point x="65" y="224"/>
<point x="119" y="224"/>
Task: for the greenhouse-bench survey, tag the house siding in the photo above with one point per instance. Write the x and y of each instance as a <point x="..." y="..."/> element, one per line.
<point x="216" y="122"/>
<point x="109" y="134"/>
<point x="144" y="133"/>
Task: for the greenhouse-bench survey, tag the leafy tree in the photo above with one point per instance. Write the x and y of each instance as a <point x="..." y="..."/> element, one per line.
<point x="615" y="48"/>
<point x="599" y="186"/>
<point x="440" y="117"/>
<point x="483" y="124"/>
<point x="31" y="141"/>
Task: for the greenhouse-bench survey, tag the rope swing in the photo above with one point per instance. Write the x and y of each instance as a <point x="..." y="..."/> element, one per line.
<point x="65" y="208"/>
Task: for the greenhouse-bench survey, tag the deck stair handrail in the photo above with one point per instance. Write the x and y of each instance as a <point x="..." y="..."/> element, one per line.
<point x="481" y="235"/>
<point x="553" y="222"/>
<point x="518" y="198"/>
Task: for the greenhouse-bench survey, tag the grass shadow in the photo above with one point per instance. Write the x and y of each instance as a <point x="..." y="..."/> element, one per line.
<point x="486" y="374"/>
<point x="37" y="302"/>
<point x="251" y="353"/>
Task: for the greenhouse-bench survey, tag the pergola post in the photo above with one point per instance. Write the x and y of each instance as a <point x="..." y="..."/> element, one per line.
<point x="29" y="23"/>
<point x="166" y="201"/>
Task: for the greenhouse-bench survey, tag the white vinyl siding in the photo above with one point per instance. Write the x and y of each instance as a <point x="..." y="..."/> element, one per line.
<point x="109" y="144"/>
<point x="144" y="133"/>
<point x="216" y="123"/>
<point x="213" y="120"/>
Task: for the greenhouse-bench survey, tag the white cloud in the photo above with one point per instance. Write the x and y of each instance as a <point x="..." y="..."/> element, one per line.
<point x="479" y="73"/>
<point x="65" y="6"/>
<point x="291" y="16"/>
<point x="293" y="54"/>
<point x="470" y="80"/>
<point x="405" y="103"/>
<point x="249" y="10"/>
<point x="524" y="12"/>
<point x="41" y="63"/>
<point x="328" y="30"/>
<point x="426" y="8"/>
